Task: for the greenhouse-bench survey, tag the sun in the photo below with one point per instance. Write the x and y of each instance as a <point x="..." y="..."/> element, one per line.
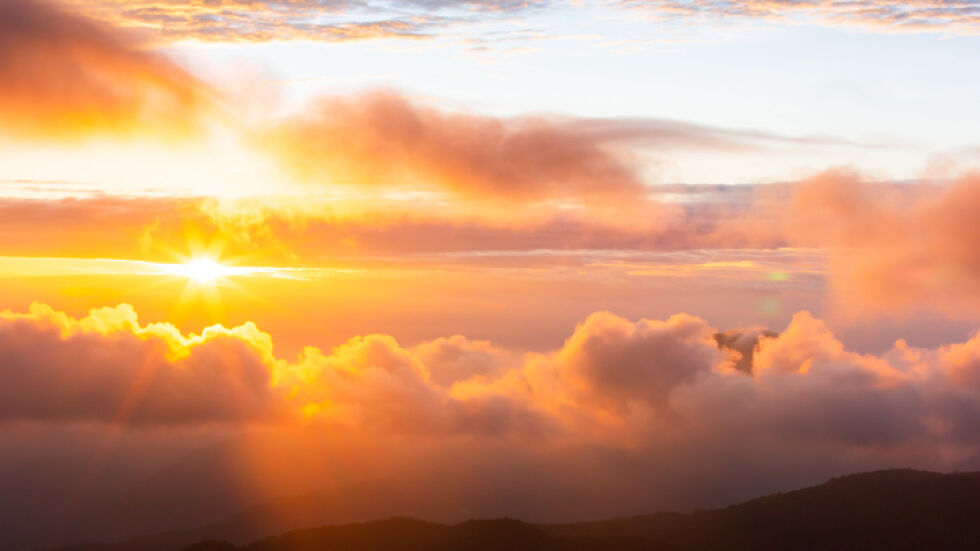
<point x="203" y="270"/>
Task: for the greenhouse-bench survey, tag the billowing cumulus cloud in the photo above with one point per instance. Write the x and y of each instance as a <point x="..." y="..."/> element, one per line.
<point x="454" y="359"/>
<point x="107" y="367"/>
<point x="809" y="390"/>
<point x="372" y="383"/>
<point x="614" y="361"/>
<point x="646" y="374"/>
<point x="63" y="75"/>
<point x="626" y="416"/>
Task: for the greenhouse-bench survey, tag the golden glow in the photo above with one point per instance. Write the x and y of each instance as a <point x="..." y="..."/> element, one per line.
<point x="203" y="270"/>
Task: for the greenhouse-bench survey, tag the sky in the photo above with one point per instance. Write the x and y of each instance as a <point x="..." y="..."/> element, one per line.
<point x="582" y="258"/>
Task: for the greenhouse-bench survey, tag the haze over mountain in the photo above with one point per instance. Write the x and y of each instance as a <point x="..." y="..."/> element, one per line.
<point x="893" y="509"/>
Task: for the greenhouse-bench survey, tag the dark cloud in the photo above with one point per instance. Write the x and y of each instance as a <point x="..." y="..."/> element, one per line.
<point x="745" y="342"/>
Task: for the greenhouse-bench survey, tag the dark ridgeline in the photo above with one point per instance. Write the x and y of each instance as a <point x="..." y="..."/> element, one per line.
<point x="417" y="535"/>
<point x="895" y="510"/>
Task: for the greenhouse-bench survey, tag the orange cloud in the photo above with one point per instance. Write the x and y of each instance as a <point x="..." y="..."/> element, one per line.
<point x="107" y="367"/>
<point x="63" y="75"/>
<point x="894" y="247"/>
<point x="454" y="359"/>
<point x="652" y="373"/>
<point x="338" y="141"/>
<point x="623" y="415"/>
<point x="613" y="362"/>
<point x="511" y="167"/>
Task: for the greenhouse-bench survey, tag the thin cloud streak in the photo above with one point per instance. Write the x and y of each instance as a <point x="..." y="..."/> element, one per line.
<point x="313" y="20"/>
<point x="953" y="16"/>
<point x="33" y="266"/>
<point x="343" y="21"/>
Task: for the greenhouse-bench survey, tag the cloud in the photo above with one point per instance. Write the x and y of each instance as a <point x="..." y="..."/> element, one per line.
<point x="372" y="383"/>
<point x="883" y="247"/>
<point x="636" y="379"/>
<point x="814" y="390"/>
<point x="895" y="248"/>
<point x="890" y="248"/>
<point x="959" y="16"/>
<point x="338" y="141"/>
<point x="482" y="161"/>
<point x="63" y="75"/>
<point x="345" y="20"/>
<point x="315" y="231"/>
<point x="106" y="367"/>
<point x="613" y="362"/>
<point x="455" y="359"/>
<point x="320" y="20"/>
<point x="627" y="416"/>
<point x="70" y="226"/>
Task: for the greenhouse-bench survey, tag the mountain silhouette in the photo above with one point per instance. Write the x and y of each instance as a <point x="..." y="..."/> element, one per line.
<point x="894" y="509"/>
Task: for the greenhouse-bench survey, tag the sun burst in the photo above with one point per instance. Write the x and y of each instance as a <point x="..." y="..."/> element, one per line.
<point x="203" y="270"/>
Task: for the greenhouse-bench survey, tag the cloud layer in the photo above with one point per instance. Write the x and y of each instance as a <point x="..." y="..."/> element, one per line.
<point x="625" y="416"/>
<point x="613" y="379"/>
<point x="894" y="248"/>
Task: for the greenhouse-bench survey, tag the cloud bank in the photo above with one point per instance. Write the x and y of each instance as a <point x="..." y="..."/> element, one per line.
<point x="613" y="380"/>
<point x="893" y="248"/>
<point x="624" y="417"/>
